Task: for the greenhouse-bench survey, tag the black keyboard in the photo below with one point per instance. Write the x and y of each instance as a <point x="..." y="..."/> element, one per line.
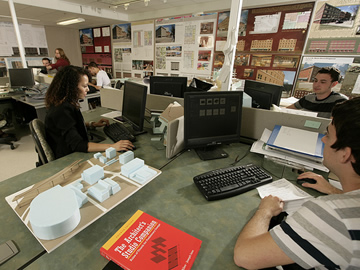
<point x="117" y="132"/>
<point x="231" y="181"/>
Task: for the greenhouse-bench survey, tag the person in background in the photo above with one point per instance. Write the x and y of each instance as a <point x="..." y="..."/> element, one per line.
<point x="323" y="99"/>
<point x="47" y="62"/>
<point x="102" y="79"/>
<point x="324" y="232"/>
<point x="65" y="128"/>
<point x="61" y="60"/>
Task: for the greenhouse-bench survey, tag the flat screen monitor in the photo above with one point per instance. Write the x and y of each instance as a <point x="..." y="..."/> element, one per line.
<point x="134" y="102"/>
<point x="263" y="94"/>
<point x="168" y="86"/>
<point x="211" y="119"/>
<point x="21" y="77"/>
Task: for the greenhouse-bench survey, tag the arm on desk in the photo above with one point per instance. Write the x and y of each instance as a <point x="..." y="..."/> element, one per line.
<point x="255" y="247"/>
<point x="123" y="145"/>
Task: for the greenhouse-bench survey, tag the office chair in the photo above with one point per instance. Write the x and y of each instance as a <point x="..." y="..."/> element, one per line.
<point x="5" y="121"/>
<point x="118" y="84"/>
<point x="37" y="129"/>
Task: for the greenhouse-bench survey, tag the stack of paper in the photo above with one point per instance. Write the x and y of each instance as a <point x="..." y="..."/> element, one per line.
<point x="292" y="196"/>
<point x="291" y="154"/>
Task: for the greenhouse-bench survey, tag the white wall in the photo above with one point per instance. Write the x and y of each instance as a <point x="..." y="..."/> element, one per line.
<point x="66" y="38"/>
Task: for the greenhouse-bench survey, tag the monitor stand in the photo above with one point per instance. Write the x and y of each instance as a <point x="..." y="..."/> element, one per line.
<point x="211" y="152"/>
<point x="132" y="130"/>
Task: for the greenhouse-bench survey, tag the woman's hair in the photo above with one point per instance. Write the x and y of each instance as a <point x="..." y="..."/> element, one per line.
<point x="62" y="54"/>
<point x="64" y="87"/>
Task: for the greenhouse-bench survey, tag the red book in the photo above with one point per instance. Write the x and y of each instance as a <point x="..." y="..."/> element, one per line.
<point x="144" y="242"/>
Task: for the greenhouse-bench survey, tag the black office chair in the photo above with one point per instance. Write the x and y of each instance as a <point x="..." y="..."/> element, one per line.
<point x="43" y="149"/>
<point x="118" y="84"/>
<point x="109" y="75"/>
<point x="5" y="121"/>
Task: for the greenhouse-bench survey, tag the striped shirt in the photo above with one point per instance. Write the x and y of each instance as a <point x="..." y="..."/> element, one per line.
<point x="323" y="106"/>
<point x="324" y="233"/>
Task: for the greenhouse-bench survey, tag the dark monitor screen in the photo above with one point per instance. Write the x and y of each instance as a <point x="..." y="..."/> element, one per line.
<point x="134" y="102"/>
<point x="21" y="77"/>
<point x="263" y="94"/>
<point x="210" y="119"/>
<point x="168" y="86"/>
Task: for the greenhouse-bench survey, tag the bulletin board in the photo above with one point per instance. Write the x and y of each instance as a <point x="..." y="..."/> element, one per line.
<point x="270" y="43"/>
<point x="134" y="56"/>
<point x="96" y="47"/>
<point x="33" y="38"/>
<point x="184" y="46"/>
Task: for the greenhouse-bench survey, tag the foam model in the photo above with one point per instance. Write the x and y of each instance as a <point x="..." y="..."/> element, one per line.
<point x="110" y="152"/>
<point x="137" y="171"/>
<point x="97" y="155"/>
<point x="93" y="174"/>
<point x="126" y="157"/>
<point x="80" y="196"/>
<point x="54" y="213"/>
<point x="102" y="159"/>
<point x="104" y="189"/>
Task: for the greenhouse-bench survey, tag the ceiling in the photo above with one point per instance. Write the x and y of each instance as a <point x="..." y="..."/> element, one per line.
<point x="108" y="12"/>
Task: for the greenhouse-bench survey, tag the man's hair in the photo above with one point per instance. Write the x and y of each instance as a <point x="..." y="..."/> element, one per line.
<point x="92" y="64"/>
<point x="46" y="59"/>
<point x="64" y="87"/>
<point x="332" y="71"/>
<point x="346" y="119"/>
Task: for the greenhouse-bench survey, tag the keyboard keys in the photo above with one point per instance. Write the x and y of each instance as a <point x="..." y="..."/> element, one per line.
<point x="231" y="181"/>
<point x="117" y="132"/>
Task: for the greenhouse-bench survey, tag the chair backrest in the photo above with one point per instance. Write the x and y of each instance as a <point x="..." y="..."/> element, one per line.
<point x="43" y="149"/>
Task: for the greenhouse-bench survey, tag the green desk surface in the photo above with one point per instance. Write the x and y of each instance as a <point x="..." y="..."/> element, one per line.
<point x="171" y="197"/>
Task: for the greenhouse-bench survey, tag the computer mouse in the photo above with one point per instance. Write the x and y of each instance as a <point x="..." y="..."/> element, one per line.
<point x="306" y="180"/>
<point x="134" y="147"/>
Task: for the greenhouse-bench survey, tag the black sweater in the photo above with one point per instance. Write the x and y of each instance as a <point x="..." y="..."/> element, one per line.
<point x="65" y="130"/>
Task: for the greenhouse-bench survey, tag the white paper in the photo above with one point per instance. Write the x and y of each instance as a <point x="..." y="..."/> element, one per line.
<point x="283" y="189"/>
<point x="112" y="114"/>
<point x="97" y="32"/>
<point x="298" y="140"/>
<point x="98" y="49"/>
<point x="106" y="31"/>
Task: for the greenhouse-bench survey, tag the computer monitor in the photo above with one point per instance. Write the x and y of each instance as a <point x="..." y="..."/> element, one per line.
<point x="168" y="86"/>
<point x="21" y="77"/>
<point x="263" y="94"/>
<point x="134" y="102"/>
<point x="211" y="119"/>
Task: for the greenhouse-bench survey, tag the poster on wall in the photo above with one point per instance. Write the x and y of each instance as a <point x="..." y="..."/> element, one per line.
<point x="311" y="65"/>
<point x="86" y="37"/>
<point x="335" y="28"/>
<point x="121" y="33"/>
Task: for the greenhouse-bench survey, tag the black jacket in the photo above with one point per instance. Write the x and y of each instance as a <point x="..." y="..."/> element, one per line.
<point x="65" y="130"/>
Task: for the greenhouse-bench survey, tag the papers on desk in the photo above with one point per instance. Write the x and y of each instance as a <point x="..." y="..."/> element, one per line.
<point x="284" y="158"/>
<point x="297" y="141"/>
<point x="293" y="196"/>
<point x="112" y="114"/>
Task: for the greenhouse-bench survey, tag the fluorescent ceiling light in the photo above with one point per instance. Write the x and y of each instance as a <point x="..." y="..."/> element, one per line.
<point x="72" y="21"/>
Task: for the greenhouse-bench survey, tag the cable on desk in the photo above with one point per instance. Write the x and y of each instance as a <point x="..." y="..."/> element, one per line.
<point x="237" y="159"/>
<point x="172" y="159"/>
<point x="32" y="260"/>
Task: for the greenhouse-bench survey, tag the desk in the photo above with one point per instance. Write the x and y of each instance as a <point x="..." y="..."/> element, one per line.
<point x="171" y="197"/>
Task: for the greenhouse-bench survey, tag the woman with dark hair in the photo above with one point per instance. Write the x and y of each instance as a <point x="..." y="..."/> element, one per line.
<point x="65" y="127"/>
<point x="61" y="60"/>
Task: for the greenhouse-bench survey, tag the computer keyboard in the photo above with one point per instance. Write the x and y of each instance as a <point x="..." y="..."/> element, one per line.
<point x="117" y="132"/>
<point x="231" y="181"/>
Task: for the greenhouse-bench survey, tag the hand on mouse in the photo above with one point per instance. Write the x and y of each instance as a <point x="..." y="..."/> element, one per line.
<point x="321" y="185"/>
